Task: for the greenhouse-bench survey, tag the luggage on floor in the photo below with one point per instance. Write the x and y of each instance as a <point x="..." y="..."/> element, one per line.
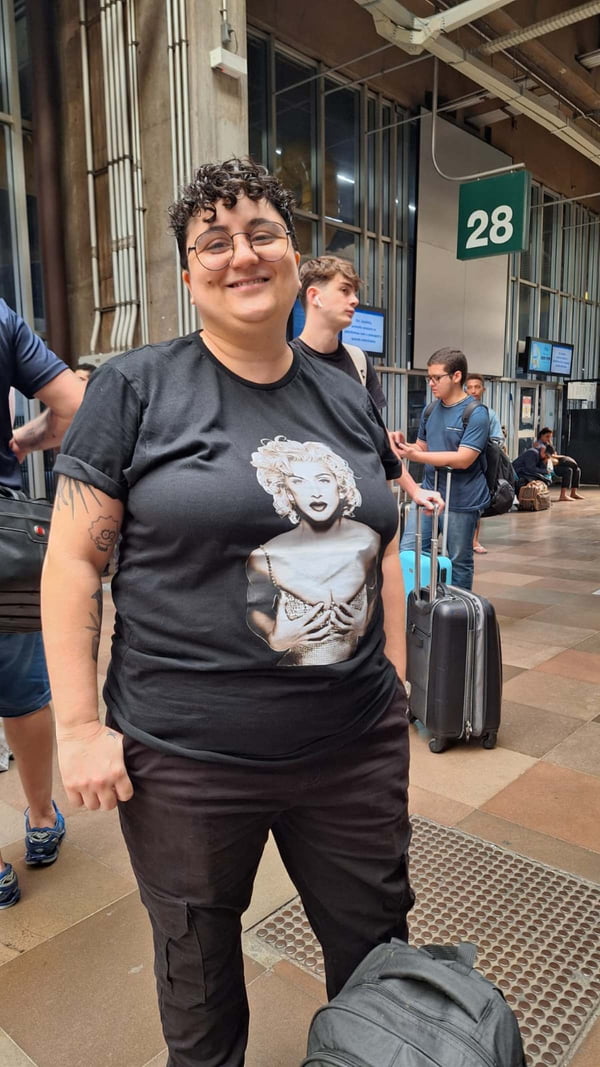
<point x="535" y="496"/>
<point x="24" y="531"/>
<point x="454" y="660"/>
<point x="411" y="1007"/>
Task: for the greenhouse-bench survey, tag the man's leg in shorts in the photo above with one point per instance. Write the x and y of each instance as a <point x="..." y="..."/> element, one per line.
<point x="24" y="696"/>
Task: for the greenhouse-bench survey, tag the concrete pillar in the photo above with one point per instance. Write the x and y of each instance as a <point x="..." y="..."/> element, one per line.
<point x="218" y="103"/>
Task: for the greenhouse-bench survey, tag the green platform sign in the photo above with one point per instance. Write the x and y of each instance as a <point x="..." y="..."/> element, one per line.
<point x="493" y="216"/>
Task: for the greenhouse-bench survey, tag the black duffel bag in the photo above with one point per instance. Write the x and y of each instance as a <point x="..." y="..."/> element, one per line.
<point x="24" y="530"/>
<point x="414" y="1007"/>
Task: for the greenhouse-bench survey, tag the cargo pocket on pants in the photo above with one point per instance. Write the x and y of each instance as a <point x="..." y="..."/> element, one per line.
<point x="178" y="960"/>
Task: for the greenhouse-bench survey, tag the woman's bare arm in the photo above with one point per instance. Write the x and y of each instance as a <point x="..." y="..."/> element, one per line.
<point x="85" y="527"/>
<point x="394" y="608"/>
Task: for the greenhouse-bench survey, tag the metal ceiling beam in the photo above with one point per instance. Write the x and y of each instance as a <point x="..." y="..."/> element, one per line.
<point x="538" y="29"/>
<point x="410" y="32"/>
<point x="552" y="119"/>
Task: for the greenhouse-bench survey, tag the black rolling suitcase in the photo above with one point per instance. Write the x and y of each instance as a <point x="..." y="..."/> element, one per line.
<point x="454" y="660"/>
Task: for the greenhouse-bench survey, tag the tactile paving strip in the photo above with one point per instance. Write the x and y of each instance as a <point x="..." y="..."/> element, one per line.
<point x="537" y="931"/>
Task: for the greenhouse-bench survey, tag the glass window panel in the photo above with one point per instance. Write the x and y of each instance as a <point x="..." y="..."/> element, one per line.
<point x="547" y="314"/>
<point x="371" y="151"/>
<point x="593" y="255"/>
<point x="35" y="252"/>
<point x="342" y="126"/>
<point x="550" y="231"/>
<point x="371" y="271"/>
<point x="23" y="63"/>
<point x="7" y="267"/>
<point x="566" y="279"/>
<point x="385" y="184"/>
<point x="258" y="116"/>
<point x="306" y="234"/>
<point x="565" y="331"/>
<point x="526" y="293"/>
<point x="295" y="133"/>
<point x="529" y="266"/>
<point x="341" y="243"/>
<point x="384" y="299"/>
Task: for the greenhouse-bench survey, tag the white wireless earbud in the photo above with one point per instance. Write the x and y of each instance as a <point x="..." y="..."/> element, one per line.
<point x="318" y="302"/>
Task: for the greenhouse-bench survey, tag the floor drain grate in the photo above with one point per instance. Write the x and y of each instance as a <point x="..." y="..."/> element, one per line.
<point x="536" y="930"/>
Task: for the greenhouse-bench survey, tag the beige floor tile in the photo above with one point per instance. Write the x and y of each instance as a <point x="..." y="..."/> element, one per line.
<point x="315" y="987"/>
<point x="158" y="1061"/>
<point x="574" y="664"/>
<point x="516" y="609"/>
<point x="550" y="633"/>
<point x="508" y="671"/>
<point x="518" y="653"/>
<point x="502" y="577"/>
<point x="468" y="773"/>
<point x="532" y="730"/>
<point x="53" y="898"/>
<point x="580" y="751"/>
<point x="588" y="1054"/>
<point x="592" y="644"/>
<point x="12" y="825"/>
<point x="272" y="887"/>
<point x="553" y="800"/>
<point x="6" y="954"/>
<point x="11" y="1055"/>
<point x="280" y="1015"/>
<point x="91" y="988"/>
<point x="579" y="616"/>
<point x="99" y="834"/>
<point x="537" y="846"/>
<point x="432" y="806"/>
<point x="580" y="700"/>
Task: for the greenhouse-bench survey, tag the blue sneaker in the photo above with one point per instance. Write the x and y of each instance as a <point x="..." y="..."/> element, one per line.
<point x="43" y="842"/>
<point x="9" y="887"/>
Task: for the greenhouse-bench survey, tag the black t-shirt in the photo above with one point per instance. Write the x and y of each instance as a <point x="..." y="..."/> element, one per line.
<point x="344" y="362"/>
<point x="249" y="617"/>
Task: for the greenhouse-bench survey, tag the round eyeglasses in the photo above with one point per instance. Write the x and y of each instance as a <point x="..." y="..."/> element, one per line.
<point x="215" y="248"/>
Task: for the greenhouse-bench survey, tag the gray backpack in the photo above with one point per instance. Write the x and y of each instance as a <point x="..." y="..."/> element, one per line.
<point x="408" y="1007"/>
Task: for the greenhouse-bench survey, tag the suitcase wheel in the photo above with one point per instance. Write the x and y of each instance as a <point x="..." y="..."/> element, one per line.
<point x="489" y="740"/>
<point x="437" y="744"/>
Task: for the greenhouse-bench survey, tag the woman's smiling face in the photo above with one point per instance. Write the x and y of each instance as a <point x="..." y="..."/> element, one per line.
<point x="249" y="289"/>
<point x="314" y="490"/>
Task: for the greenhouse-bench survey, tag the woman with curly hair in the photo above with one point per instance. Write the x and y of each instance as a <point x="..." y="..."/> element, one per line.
<point x="229" y="465"/>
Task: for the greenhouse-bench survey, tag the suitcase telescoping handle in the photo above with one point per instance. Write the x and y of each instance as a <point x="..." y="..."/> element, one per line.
<point x="434" y="551"/>
<point x="447" y="507"/>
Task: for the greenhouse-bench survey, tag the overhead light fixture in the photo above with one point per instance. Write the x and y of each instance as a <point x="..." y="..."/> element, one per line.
<point x="589" y="59"/>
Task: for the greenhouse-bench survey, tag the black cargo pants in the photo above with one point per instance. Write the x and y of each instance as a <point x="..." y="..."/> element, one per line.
<point x="195" y="833"/>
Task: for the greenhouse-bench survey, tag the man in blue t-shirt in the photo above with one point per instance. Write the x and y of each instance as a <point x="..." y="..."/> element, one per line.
<point x="445" y="441"/>
<point x="28" y="365"/>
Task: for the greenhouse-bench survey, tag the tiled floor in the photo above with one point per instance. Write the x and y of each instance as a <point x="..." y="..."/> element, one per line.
<point x="75" y="955"/>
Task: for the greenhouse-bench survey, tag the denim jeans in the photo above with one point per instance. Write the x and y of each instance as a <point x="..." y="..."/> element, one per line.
<point x="461" y="530"/>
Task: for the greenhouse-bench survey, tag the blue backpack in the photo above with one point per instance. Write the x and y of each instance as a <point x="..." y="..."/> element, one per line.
<point x="408" y="1007"/>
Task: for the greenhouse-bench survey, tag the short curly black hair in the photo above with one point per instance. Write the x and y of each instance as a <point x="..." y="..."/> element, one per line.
<point x="215" y="182"/>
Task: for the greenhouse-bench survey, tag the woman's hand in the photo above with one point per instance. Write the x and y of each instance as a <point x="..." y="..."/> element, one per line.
<point x="347" y="619"/>
<point x="308" y="628"/>
<point x="90" y="756"/>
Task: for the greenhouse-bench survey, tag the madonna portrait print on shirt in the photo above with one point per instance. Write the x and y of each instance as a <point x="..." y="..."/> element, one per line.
<point x="311" y="590"/>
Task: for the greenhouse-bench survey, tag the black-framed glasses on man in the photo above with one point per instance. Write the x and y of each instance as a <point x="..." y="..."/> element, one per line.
<point x="437" y="377"/>
<point x="215" y="247"/>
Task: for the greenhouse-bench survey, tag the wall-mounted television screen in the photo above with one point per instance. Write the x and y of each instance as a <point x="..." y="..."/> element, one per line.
<point x="539" y="356"/>
<point x="562" y="359"/>
<point x="367" y="329"/>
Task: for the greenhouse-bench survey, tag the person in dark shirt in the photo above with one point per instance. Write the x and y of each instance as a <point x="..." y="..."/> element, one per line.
<point x="531" y="465"/>
<point x="563" y="467"/>
<point x="329" y="289"/>
<point x="255" y="680"/>
<point x="28" y="365"/>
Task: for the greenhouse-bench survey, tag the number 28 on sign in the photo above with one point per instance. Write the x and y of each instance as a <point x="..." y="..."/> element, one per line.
<point x="493" y="216"/>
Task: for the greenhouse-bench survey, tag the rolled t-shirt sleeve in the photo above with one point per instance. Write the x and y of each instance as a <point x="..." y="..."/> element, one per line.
<point x="477" y="430"/>
<point x="99" y="446"/>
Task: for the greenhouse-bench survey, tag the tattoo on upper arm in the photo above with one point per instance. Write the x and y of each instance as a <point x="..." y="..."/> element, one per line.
<point x="69" y="491"/>
<point x="96" y="622"/>
<point x="104" y="532"/>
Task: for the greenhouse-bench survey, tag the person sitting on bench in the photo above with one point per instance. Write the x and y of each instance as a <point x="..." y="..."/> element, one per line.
<point x="562" y="467"/>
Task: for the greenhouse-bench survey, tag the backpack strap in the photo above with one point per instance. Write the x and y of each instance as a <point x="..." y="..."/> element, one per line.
<point x="359" y="359"/>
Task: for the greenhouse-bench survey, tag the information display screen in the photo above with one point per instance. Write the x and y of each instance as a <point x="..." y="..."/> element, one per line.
<point x="539" y="356"/>
<point x="367" y="330"/>
<point x="562" y="359"/>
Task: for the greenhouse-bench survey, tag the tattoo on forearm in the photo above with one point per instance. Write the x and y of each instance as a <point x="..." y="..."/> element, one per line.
<point x="69" y="491"/>
<point x="96" y="622"/>
<point x="104" y="532"/>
